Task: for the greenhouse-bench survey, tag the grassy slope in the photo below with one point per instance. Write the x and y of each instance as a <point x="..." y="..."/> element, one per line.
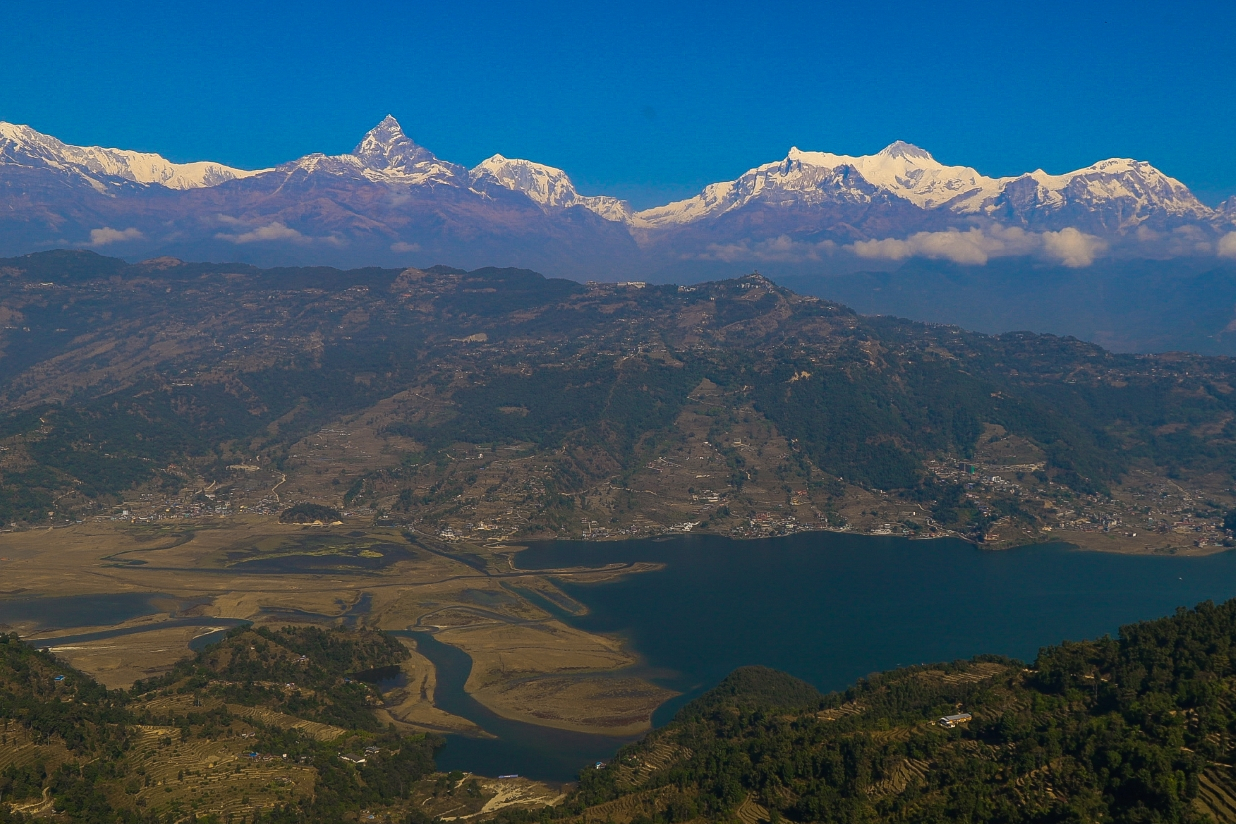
<point x="254" y="724"/>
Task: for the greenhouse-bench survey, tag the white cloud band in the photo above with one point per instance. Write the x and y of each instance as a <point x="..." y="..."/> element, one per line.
<point x="976" y="246"/>
<point x="1227" y="245"/>
<point x="973" y="247"/>
<point x="106" y="235"/>
<point x="271" y="231"/>
<point x="274" y="232"/>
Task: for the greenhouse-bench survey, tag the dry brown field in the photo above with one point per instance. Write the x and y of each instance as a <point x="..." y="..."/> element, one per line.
<point x="528" y="665"/>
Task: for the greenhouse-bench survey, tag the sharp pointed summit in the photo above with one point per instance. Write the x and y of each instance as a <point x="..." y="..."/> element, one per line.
<point x="386" y="146"/>
<point x="387" y="154"/>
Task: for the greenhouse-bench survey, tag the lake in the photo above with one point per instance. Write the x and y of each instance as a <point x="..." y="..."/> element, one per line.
<point x="829" y="608"/>
<point x="62" y="611"/>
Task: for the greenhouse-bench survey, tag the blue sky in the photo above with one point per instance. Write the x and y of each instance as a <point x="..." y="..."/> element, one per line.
<point x="647" y="100"/>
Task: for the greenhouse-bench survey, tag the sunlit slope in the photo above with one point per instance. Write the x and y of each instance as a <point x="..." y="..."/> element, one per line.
<point x="501" y="403"/>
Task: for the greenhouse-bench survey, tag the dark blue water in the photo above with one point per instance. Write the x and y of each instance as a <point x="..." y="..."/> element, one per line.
<point x="826" y="607"/>
<point x="831" y="608"/>
<point x="79" y="610"/>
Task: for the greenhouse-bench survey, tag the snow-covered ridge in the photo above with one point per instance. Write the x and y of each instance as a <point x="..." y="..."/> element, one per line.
<point x="1113" y="195"/>
<point x="812" y="178"/>
<point x="550" y="188"/>
<point x="910" y="172"/>
<point x="1138" y="183"/>
<point x="904" y="171"/>
<point x="23" y="146"/>
<point x="386" y="154"/>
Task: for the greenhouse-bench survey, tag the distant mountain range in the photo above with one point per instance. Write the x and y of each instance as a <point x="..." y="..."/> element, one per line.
<point x="393" y="202"/>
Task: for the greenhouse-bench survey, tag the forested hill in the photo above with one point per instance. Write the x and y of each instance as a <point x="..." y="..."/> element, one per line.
<point x="1140" y="728"/>
<point x="538" y="406"/>
<point x="272" y="726"/>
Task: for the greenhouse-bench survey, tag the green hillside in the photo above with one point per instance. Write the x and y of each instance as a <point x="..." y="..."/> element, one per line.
<point x="1134" y="729"/>
<point x="1140" y="728"/>
<point x="265" y="726"/>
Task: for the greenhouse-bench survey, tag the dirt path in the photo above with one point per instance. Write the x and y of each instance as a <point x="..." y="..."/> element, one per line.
<point x="283" y="478"/>
<point x="37" y="807"/>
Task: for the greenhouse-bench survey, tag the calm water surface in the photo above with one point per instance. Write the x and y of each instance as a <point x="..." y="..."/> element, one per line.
<point x="518" y="748"/>
<point x="831" y="608"/>
<point x="78" y="610"/>
<point x="828" y="608"/>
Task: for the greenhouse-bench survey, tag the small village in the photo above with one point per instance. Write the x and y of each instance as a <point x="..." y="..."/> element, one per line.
<point x="1148" y="512"/>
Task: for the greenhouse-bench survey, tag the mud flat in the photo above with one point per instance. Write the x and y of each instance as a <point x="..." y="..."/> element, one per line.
<point x="124" y="602"/>
<point x="538" y="666"/>
<point x="554" y="675"/>
<point x="119" y="661"/>
<point x="611" y="705"/>
<point x="531" y="750"/>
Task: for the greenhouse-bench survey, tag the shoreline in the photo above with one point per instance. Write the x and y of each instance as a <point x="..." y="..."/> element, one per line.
<point x="1054" y="537"/>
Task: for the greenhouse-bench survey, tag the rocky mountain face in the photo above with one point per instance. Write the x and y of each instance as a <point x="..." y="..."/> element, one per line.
<point x="393" y="201"/>
<point x="1227" y="212"/>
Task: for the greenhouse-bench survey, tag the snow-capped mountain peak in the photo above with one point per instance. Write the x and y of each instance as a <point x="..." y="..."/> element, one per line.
<point x="806" y="178"/>
<point x="393" y="192"/>
<point x="103" y="168"/>
<point x="550" y="188"/>
<point x="899" y="148"/>
<point x="389" y="154"/>
<point x="1117" y="194"/>
<point x="912" y="173"/>
<point x="544" y="184"/>
<point x="384" y="155"/>
<point x="386" y="146"/>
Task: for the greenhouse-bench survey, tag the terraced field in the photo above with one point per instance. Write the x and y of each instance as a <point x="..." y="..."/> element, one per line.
<point x="1216" y="795"/>
<point x="906" y="772"/>
<point x="267" y="717"/>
